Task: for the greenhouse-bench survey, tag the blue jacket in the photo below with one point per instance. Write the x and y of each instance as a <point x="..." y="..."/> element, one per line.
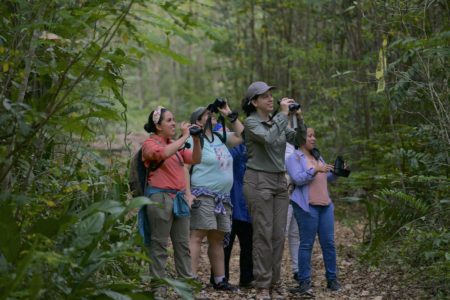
<point x="240" y="210"/>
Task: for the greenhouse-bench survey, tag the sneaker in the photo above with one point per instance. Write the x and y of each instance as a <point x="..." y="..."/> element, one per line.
<point x="303" y="288"/>
<point x="333" y="285"/>
<point x="224" y="286"/>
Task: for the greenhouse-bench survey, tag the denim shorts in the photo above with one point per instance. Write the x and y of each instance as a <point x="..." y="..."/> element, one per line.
<point x="203" y="216"/>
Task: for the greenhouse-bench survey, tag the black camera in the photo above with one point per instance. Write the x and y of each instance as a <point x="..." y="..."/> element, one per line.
<point x="195" y="131"/>
<point x="218" y="103"/>
<point x="339" y="167"/>
<point x="292" y="107"/>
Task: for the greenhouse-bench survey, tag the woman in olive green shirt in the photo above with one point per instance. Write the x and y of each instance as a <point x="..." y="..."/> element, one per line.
<point x="265" y="186"/>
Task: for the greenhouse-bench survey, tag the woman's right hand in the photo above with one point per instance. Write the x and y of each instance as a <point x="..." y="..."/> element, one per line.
<point x="324" y="168"/>
<point x="284" y="105"/>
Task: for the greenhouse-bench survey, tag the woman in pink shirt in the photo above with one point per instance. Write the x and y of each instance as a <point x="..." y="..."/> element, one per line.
<point x="313" y="211"/>
<point x="166" y="158"/>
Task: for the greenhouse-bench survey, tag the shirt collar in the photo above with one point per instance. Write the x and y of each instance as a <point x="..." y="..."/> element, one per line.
<point x="258" y="117"/>
<point x="160" y="139"/>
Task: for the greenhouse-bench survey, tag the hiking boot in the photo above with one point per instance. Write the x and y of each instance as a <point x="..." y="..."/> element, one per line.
<point x="224" y="285"/>
<point x="262" y="294"/>
<point x="303" y="288"/>
<point x="333" y="285"/>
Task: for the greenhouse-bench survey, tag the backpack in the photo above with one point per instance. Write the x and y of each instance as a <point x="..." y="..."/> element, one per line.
<point x="138" y="175"/>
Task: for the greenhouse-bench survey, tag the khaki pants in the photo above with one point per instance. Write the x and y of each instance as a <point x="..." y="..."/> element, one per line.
<point x="162" y="225"/>
<point x="268" y="202"/>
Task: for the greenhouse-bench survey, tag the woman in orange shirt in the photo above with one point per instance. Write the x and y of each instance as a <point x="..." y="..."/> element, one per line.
<point x="166" y="183"/>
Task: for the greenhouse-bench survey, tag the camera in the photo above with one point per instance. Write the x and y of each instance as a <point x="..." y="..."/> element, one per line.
<point x="292" y="107"/>
<point x="195" y="131"/>
<point x="339" y="167"/>
<point x="218" y="103"/>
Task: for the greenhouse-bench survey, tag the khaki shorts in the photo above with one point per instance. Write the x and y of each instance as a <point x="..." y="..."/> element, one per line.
<point x="203" y="217"/>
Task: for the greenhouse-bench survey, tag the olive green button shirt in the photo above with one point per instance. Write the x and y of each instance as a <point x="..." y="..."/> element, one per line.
<point x="266" y="142"/>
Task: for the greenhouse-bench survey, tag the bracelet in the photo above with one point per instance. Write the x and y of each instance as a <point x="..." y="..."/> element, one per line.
<point x="233" y="117"/>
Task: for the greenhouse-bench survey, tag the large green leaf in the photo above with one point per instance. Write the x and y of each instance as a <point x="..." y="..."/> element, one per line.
<point x="138" y="202"/>
<point x="88" y="228"/>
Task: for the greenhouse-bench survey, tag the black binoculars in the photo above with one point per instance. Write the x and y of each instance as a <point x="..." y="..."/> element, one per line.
<point x="292" y="107"/>
<point x="195" y="131"/>
<point x="218" y="103"/>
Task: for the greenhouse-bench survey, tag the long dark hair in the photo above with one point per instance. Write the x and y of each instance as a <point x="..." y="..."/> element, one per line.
<point x="247" y="106"/>
<point x="150" y="126"/>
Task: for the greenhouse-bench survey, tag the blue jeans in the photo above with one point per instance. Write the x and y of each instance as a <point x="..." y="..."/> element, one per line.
<point x="319" y="220"/>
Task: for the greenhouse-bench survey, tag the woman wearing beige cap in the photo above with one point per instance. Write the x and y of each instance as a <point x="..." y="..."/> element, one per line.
<point x="265" y="186"/>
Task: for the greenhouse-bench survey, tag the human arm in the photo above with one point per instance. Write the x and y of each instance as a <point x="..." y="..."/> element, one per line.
<point x="187" y="193"/>
<point x="197" y="151"/>
<point x="259" y="133"/>
<point x="297" y="172"/>
<point x="154" y="150"/>
<point x="297" y="136"/>
<point x="236" y="127"/>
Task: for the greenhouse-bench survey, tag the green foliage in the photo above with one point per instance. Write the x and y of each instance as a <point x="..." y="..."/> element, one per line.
<point x="68" y="223"/>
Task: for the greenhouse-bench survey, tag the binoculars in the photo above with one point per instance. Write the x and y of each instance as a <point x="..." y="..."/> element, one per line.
<point x="218" y="103"/>
<point x="292" y="107"/>
<point x="194" y="131"/>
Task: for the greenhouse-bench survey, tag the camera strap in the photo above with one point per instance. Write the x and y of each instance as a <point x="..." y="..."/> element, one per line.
<point x="222" y="137"/>
<point x="224" y="132"/>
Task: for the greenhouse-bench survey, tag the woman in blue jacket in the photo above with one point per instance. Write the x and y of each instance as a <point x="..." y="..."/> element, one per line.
<point x="241" y="225"/>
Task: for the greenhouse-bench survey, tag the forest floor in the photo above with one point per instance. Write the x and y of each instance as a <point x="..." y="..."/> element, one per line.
<point x="357" y="281"/>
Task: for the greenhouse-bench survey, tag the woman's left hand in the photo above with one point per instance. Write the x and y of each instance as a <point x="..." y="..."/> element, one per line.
<point x="225" y="110"/>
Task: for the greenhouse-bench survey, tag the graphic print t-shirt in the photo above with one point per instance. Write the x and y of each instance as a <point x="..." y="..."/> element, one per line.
<point x="215" y="172"/>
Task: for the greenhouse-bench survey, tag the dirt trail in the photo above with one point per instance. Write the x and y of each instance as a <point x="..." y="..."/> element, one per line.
<point x="357" y="282"/>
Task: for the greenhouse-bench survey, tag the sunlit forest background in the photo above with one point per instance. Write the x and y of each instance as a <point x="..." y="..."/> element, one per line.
<point x="79" y="78"/>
